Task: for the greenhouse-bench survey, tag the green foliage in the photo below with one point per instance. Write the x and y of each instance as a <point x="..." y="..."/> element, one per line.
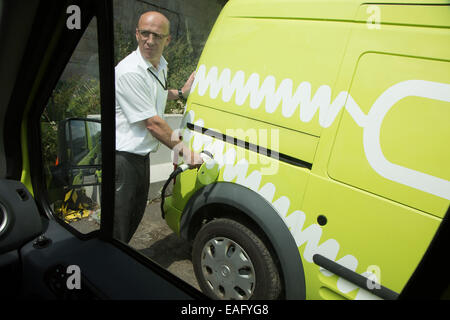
<point x="76" y="97"/>
<point x="49" y="141"/>
<point x="182" y="61"/>
<point x="124" y="43"/>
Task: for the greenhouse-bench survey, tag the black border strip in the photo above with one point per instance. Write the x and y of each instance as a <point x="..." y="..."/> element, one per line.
<point x="354" y="277"/>
<point x="250" y="146"/>
<point x="105" y="36"/>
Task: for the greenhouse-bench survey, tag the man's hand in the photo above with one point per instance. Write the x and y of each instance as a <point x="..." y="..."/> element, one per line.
<point x="190" y="157"/>
<point x="187" y="86"/>
<point x="185" y="90"/>
<point x="162" y="131"/>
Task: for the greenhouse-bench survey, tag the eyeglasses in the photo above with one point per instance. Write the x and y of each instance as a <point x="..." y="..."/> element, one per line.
<point x="145" y="34"/>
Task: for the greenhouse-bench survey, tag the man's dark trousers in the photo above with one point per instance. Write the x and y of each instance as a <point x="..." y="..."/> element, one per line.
<point x="132" y="185"/>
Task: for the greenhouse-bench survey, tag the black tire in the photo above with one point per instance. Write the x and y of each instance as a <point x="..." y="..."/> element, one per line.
<point x="220" y="274"/>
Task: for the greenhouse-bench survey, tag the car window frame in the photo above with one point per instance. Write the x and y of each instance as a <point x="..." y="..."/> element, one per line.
<point x="59" y="52"/>
<point x="64" y="45"/>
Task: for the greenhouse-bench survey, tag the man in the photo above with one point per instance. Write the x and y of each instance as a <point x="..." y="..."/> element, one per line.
<point x="141" y="95"/>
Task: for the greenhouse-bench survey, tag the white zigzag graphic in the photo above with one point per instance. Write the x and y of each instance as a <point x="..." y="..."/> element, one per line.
<point x="309" y="105"/>
<point x="251" y="87"/>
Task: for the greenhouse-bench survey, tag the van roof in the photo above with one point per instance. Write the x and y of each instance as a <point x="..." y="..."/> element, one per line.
<point x="343" y="10"/>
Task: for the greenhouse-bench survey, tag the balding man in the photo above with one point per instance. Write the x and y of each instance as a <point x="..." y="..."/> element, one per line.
<point x="141" y="95"/>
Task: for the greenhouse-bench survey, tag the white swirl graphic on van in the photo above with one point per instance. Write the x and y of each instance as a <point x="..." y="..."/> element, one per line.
<point x="235" y="169"/>
<point x="309" y="105"/>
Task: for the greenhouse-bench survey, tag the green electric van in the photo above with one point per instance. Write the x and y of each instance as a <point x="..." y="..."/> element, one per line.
<point x="328" y="125"/>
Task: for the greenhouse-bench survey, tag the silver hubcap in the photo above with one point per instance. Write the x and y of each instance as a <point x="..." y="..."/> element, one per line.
<point x="228" y="269"/>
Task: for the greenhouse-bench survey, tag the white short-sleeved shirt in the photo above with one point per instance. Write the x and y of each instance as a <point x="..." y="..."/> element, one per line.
<point x="139" y="96"/>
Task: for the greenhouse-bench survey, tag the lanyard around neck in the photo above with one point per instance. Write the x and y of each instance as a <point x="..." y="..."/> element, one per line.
<point x="156" y="77"/>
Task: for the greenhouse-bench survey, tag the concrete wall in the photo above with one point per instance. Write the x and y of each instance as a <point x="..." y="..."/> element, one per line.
<point x="161" y="164"/>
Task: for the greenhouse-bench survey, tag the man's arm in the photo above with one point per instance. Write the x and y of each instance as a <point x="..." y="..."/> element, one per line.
<point x="162" y="131"/>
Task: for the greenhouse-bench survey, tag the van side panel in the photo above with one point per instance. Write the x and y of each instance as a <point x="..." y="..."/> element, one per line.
<point x="278" y="71"/>
<point x="398" y="102"/>
<point x="315" y="79"/>
<point x="373" y="236"/>
<point x="261" y="134"/>
<point x="408" y="122"/>
<point x="401" y="85"/>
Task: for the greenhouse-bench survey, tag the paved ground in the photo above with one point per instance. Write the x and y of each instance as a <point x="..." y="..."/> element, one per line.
<point x="156" y="240"/>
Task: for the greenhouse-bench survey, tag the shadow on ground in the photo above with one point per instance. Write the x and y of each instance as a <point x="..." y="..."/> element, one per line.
<point x="156" y="240"/>
<point x="168" y="250"/>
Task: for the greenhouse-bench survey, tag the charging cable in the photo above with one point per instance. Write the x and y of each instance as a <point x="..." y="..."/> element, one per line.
<point x="177" y="171"/>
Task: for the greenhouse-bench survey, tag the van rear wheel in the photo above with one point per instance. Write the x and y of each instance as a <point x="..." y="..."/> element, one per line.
<point x="232" y="263"/>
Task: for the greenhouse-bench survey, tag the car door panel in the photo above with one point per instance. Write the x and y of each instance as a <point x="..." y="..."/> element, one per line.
<point x="106" y="271"/>
<point x="19" y="216"/>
